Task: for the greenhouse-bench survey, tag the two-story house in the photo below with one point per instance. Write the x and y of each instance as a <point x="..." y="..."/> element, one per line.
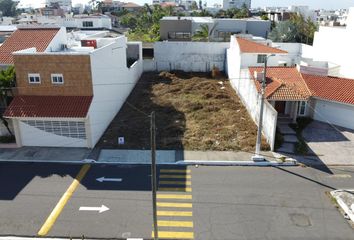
<point x="67" y="98"/>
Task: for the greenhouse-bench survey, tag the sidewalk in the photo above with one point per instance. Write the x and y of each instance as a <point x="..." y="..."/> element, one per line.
<point x="44" y="154"/>
<point x="118" y="156"/>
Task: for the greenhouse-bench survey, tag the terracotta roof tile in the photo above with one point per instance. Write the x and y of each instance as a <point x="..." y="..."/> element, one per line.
<point x="331" y="88"/>
<point x="283" y="83"/>
<point x="21" y="39"/>
<point x="49" y="106"/>
<point x="247" y="46"/>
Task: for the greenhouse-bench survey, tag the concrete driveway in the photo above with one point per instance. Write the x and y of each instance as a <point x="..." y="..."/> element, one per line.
<point x="332" y="144"/>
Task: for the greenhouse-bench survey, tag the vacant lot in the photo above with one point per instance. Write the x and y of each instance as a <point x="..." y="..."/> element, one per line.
<point x="193" y="112"/>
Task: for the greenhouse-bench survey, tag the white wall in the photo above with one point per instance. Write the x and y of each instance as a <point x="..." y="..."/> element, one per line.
<point x="333" y="44"/>
<point x="112" y="84"/>
<point x="334" y="113"/>
<point x="31" y="136"/>
<point x="189" y="56"/>
<point x="248" y="93"/>
<point x="59" y="39"/>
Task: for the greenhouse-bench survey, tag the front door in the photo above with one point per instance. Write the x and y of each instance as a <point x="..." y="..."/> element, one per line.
<point x="280" y="106"/>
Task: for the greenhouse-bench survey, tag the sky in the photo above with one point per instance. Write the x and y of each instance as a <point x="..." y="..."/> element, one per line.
<point x="313" y="4"/>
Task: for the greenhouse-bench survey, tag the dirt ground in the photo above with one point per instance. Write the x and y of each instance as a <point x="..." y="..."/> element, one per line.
<point x="193" y="112"/>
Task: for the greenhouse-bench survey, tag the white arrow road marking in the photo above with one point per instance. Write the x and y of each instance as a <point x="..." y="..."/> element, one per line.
<point x="101" y="209"/>
<point x="104" y="179"/>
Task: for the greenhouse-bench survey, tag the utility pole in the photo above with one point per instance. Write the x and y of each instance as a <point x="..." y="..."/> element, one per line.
<point x="257" y="157"/>
<point x="153" y="173"/>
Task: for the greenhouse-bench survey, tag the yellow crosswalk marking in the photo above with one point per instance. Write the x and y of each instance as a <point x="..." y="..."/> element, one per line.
<point x="174" y="235"/>
<point x="175" y="176"/>
<point x="175" y="213"/>
<point x="173" y="196"/>
<point x="174" y="205"/>
<point x="171" y="189"/>
<point x="185" y="183"/>
<point x="175" y="171"/>
<point x="175" y="224"/>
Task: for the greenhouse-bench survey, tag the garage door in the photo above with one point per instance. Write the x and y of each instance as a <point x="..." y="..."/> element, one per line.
<point x="53" y="133"/>
<point x="334" y="113"/>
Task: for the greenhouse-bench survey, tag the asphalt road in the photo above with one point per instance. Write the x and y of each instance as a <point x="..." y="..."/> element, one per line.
<point x="227" y="202"/>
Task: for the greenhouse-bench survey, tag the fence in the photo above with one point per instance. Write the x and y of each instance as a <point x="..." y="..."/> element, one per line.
<point x="187" y="56"/>
<point x="248" y="93"/>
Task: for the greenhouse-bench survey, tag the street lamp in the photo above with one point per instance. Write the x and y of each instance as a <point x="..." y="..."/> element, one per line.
<point x="257" y="157"/>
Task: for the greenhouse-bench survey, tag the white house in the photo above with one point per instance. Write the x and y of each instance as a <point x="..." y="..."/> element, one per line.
<point x="296" y="84"/>
<point x="69" y="97"/>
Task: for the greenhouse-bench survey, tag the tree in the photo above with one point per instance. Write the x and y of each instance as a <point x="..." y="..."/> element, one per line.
<point x="284" y="32"/>
<point x="194" y="5"/>
<point x="202" y="34"/>
<point x="264" y="17"/>
<point x="8" y="8"/>
<point x="7" y="81"/>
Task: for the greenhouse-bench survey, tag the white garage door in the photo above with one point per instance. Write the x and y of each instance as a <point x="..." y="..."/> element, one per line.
<point x="53" y="133"/>
<point x="334" y="113"/>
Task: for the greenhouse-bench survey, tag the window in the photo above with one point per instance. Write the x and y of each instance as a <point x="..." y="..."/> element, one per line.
<point x="34" y="78"/>
<point x="302" y="108"/>
<point x="57" y="78"/>
<point x="261" y="58"/>
<point x="179" y="35"/>
<point x="87" y="24"/>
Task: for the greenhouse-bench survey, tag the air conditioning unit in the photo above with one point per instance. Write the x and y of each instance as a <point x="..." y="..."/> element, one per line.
<point x="259" y="76"/>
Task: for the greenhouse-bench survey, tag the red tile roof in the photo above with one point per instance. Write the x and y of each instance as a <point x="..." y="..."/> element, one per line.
<point x="21" y="39"/>
<point x="283" y="84"/>
<point x="49" y="106"/>
<point x="331" y="88"/>
<point x="248" y="46"/>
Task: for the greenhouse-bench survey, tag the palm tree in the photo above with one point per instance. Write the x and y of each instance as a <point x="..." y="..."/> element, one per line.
<point x="7" y="81"/>
<point x="202" y="34"/>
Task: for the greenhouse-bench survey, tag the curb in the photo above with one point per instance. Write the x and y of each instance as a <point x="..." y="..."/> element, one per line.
<point x="186" y="162"/>
<point x="343" y="205"/>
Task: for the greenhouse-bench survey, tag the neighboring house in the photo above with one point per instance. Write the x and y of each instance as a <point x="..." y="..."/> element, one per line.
<point x="6" y="31"/>
<point x="183" y="28"/>
<point x="296" y="85"/>
<point x="333" y="44"/>
<point x="43" y="38"/>
<point x="131" y="7"/>
<point x="64" y="4"/>
<point x="67" y="98"/>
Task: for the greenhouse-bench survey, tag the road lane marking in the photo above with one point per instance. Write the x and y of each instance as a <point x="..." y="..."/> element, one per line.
<point x="101" y="209"/>
<point x="48" y="224"/>
<point x="175" y="176"/>
<point x="175" y="189"/>
<point x="175" y="235"/>
<point x="104" y="179"/>
<point x="185" y="183"/>
<point x="175" y="171"/>
<point x="185" y="224"/>
<point x="175" y="205"/>
<point x="173" y="196"/>
<point x="175" y="213"/>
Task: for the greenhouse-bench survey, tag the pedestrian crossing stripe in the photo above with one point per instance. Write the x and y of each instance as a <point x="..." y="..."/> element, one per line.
<point x="175" y="176"/>
<point x="174" y="235"/>
<point x="175" y="205"/>
<point x="185" y="224"/>
<point x="175" y="213"/>
<point x="175" y="171"/>
<point x="185" y="183"/>
<point x="173" y="196"/>
<point x="171" y="189"/>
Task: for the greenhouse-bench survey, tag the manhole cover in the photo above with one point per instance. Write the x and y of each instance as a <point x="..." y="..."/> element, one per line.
<point x="300" y="219"/>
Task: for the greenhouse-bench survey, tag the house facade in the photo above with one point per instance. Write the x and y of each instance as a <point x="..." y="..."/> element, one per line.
<point x="296" y="85"/>
<point x="68" y="98"/>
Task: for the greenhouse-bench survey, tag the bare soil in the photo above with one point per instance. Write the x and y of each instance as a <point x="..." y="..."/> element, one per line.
<point x="193" y="112"/>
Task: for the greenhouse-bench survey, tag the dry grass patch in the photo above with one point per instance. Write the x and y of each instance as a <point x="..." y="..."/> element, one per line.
<point x="193" y="112"/>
